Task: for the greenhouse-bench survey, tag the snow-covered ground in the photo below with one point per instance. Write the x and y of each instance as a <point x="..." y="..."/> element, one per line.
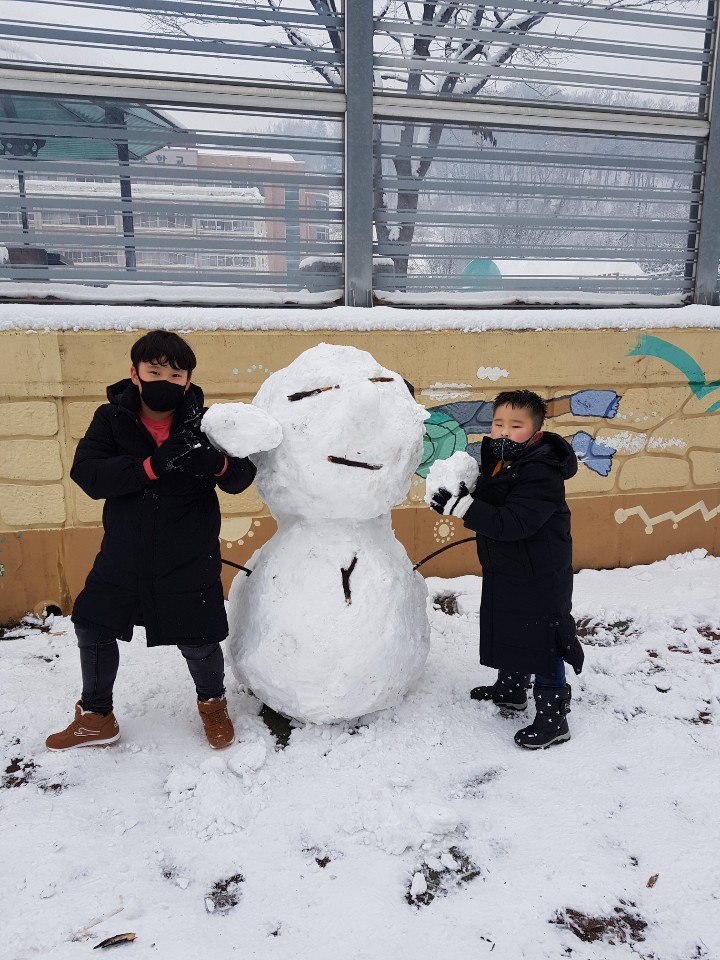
<point x="311" y="851"/>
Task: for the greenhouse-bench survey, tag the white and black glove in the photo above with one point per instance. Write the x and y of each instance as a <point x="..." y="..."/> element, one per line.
<point x="450" y="505"/>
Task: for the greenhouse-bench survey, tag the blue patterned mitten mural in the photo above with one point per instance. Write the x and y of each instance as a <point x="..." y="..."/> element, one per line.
<point x="594" y="403"/>
<point x="596" y="456"/>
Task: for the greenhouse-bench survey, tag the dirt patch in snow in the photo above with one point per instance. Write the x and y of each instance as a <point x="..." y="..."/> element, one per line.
<point x="624" y="925"/>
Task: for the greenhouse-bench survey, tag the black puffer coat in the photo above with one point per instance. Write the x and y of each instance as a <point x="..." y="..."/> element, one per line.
<point x="159" y="563"/>
<point x="522" y="524"/>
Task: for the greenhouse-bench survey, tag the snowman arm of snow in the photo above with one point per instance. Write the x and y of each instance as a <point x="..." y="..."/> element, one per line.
<point x="595" y="455"/>
<point x="594" y="403"/>
<point x="537" y="494"/>
<point x="241" y="429"/>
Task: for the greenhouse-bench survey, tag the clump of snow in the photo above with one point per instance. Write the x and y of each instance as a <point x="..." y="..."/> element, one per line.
<point x="447" y="391"/>
<point x="450" y="473"/>
<point x="239" y="429"/>
<point x="628" y="442"/>
<point x="205" y="800"/>
<point x="491" y="373"/>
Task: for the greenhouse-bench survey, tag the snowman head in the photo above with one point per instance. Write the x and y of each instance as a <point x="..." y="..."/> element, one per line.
<point x="352" y="437"/>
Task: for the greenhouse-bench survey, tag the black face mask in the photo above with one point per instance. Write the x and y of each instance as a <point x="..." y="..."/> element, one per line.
<point x="161" y="395"/>
<point x="505" y="449"/>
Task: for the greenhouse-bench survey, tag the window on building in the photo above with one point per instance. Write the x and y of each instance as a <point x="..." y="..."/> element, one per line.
<point x="226" y="224"/>
<point x="165" y="258"/>
<point x="77" y="218"/>
<point x="227" y="260"/>
<point x="91" y="256"/>
<point x="163" y="221"/>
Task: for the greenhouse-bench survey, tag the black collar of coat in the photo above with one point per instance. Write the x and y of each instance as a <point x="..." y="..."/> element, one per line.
<point x="125" y="396"/>
<point x="551" y="448"/>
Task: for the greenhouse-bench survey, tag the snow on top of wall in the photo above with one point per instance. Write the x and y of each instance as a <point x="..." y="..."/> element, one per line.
<point x="275" y="316"/>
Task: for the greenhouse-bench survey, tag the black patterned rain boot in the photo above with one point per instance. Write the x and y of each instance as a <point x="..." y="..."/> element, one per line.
<point x="550" y="725"/>
<point x="509" y="690"/>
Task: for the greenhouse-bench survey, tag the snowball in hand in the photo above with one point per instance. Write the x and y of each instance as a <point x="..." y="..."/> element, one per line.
<point x="450" y="473"/>
<point x="240" y="429"/>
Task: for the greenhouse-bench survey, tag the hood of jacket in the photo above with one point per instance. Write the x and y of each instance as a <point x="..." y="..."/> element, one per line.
<point x="550" y="448"/>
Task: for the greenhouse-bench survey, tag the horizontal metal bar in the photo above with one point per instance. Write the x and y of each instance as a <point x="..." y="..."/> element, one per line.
<point x="573" y="11"/>
<point x="556" y="77"/>
<point x="507" y="114"/>
<point x="172" y="90"/>
<point x="580" y="223"/>
<point x="206" y="11"/>
<point x="88" y="274"/>
<point x="515" y="250"/>
<point x="221" y="48"/>
<point x="540" y="281"/>
<point x="444" y="33"/>
<point x="596" y="192"/>
<point x="176" y="91"/>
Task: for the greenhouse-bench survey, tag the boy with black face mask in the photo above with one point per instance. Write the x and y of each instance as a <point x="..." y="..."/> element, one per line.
<point x="159" y="562"/>
<point x="522" y="522"/>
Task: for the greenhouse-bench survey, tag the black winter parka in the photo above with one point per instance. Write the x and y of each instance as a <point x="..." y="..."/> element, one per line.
<point x="522" y="524"/>
<point x="159" y="562"/>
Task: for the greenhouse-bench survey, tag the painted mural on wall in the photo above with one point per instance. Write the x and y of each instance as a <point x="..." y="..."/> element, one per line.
<point x="641" y="409"/>
<point x="649" y="346"/>
<point x="460" y="424"/>
<point x="701" y="389"/>
<point x="451" y="426"/>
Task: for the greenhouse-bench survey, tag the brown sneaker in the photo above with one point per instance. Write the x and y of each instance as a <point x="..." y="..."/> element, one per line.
<point x="218" y="725"/>
<point x="86" y="730"/>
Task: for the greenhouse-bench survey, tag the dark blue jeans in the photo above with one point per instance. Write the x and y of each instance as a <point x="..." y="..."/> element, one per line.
<point x="556" y="679"/>
<point x="99" y="659"/>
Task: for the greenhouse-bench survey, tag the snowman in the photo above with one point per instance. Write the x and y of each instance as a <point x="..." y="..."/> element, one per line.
<point x="332" y="624"/>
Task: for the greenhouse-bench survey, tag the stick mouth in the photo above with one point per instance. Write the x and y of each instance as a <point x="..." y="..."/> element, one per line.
<point x="355" y="463"/>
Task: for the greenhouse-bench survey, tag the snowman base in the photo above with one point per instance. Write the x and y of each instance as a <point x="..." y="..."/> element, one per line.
<point x="332" y="624"/>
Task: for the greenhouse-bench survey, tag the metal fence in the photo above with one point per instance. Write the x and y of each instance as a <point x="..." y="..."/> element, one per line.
<point x="418" y="153"/>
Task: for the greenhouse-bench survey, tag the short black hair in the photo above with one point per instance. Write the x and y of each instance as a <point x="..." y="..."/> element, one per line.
<point x="162" y="346"/>
<point x="526" y="400"/>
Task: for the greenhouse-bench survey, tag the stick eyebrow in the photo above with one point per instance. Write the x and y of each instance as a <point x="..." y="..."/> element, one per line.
<point x="382" y="379"/>
<point x="311" y="393"/>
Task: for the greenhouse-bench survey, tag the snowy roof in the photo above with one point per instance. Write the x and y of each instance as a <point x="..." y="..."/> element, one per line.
<point x="140" y="190"/>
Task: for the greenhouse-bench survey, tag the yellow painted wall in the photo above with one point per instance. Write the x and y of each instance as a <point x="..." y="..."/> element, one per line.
<point x="661" y="494"/>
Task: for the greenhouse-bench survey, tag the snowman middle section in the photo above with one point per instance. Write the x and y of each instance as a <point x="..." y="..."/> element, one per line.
<point x="332" y="623"/>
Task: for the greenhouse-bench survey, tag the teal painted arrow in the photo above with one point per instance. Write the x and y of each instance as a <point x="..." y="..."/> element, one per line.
<point x="648" y="346"/>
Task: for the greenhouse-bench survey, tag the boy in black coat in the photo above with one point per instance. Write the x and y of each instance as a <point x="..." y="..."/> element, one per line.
<point x="159" y="562"/>
<point x="522" y="522"/>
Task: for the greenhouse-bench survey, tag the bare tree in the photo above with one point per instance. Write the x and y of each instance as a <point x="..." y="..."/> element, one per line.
<point x="447" y="49"/>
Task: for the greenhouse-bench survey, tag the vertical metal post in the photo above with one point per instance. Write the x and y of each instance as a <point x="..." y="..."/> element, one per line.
<point x="708" y="242"/>
<point x="358" y="152"/>
<point x="116" y="117"/>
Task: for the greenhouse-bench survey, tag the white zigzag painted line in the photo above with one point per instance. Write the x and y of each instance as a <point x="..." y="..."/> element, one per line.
<point x="622" y="515"/>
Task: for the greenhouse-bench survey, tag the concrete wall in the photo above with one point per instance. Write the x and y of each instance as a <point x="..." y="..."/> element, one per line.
<point x="642" y="410"/>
